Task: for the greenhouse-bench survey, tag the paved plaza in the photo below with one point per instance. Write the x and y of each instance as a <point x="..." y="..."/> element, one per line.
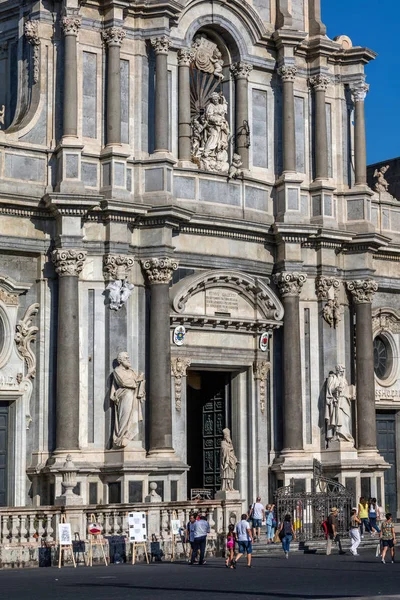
<point x="302" y="576"/>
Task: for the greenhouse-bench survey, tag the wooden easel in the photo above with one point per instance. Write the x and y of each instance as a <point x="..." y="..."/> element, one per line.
<point x="96" y="540"/>
<point x="62" y="548"/>
<point x="173" y="537"/>
<point x="136" y="545"/>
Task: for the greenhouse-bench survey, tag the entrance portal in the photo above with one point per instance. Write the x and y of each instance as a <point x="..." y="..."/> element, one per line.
<point x="208" y="410"/>
<point x="3" y="453"/>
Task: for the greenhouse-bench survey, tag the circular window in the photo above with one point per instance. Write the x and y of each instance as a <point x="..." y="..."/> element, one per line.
<point x="383" y="357"/>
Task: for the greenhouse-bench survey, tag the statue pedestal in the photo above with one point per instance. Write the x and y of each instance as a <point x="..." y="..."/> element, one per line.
<point x="227" y="495"/>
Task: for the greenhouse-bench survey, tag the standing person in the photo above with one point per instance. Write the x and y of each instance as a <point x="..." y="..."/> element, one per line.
<point x="354" y="532"/>
<point x="201" y="529"/>
<point x="363" y="516"/>
<point x="380" y="515"/>
<point x="244" y="538"/>
<point x="373" y="516"/>
<point x="257" y="514"/>
<point x="388" y="537"/>
<point x="333" y="535"/>
<point x="190" y="534"/>
<point x="230" y="546"/>
<point x="286" y="534"/>
<point x="270" y="523"/>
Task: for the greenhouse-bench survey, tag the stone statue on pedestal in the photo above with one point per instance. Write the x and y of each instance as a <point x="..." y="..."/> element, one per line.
<point x="128" y="394"/>
<point x="338" y="407"/>
<point x="228" y="462"/>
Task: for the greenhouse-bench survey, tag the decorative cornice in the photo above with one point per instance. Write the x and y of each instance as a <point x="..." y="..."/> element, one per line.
<point x="25" y="336"/>
<point x="359" y="92"/>
<point x="287" y="73"/>
<point x="185" y="57"/>
<point x="68" y="262"/>
<point x="320" y="82"/>
<point x="179" y="367"/>
<point x="113" y="36"/>
<point x="159" y="270"/>
<point x="117" y="266"/>
<point x="362" y="290"/>
<point x="161" y="44"/>
<point x="71" y="25"/>
<point x="241" y="70"/>
<point x="289" y="284"/>
<point x="261" y="369"/>
<point x="31" y="29"/>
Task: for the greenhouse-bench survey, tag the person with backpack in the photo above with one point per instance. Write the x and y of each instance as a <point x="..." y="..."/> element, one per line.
<point x="333" y="536"/>
<point x="257" y="514"/>
<point x="388" y="537"/>
<point x="286" y="534"/>
<point x="354" y="532"/>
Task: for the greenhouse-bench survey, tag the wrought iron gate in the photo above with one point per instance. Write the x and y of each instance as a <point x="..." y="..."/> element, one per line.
<point x="309" y="509"/>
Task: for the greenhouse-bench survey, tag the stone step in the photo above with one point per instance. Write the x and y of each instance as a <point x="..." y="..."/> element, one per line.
<point x="263" y="549"/>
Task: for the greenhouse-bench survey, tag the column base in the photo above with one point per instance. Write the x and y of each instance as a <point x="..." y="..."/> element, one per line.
<point x="162" y="453"/>
<point x="187" y="164"/>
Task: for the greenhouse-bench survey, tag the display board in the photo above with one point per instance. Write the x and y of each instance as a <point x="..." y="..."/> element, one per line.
<point x="64" y="534"/>
<point x="137" y="527"/>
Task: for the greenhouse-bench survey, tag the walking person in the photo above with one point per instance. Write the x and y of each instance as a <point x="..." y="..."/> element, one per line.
<point x="230" y="547"/>
<point x="270" y="522"/>
<point x="244" y="538"/>
<point x="388" y="537"/>
<point x="363" y="516"/>
<point x="190" y="534"/>
<point x="354" y="532"/>
<point x="286" y="534"/>
<point x="333" y="535"/>
<point x="257" y="514"/>
<point x="201" y="529"/>
<point x="373" y="516"/>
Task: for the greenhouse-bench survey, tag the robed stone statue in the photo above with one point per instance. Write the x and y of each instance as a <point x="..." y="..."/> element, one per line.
<point x="228" y="462"/>
<point x="128" y="394"/>
<point x="338" y="407"/>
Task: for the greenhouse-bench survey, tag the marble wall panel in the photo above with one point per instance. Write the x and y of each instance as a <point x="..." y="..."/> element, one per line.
<point x="185" y="187"/>
<point x="259" y="128"/>
<point x="27" y="168"/>
<point x="89" y="174"/>
<point x="256" y="198"/>
<point x="89" y="94"/>
<point x="125" y="101"/>
<point x="220" y="192"/>
<point x="263" y="8"/>
<point x="299" y="105"/>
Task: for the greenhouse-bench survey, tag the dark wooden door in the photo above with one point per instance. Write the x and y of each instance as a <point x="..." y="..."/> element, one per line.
<point x="386" y="442"/>
<point x="3" y="453"/>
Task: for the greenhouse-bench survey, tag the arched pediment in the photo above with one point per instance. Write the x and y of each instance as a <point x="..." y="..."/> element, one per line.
<point x="386" y="319"/>
<point x="230" y="294"/>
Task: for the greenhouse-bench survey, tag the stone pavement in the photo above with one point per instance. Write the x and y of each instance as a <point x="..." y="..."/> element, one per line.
<point x="303" y="576"/>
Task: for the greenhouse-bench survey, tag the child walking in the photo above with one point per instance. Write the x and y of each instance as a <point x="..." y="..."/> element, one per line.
<point x="230" y="546"/>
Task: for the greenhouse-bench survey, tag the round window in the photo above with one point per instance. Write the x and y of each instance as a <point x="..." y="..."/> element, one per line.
<point x="383" y="357"/>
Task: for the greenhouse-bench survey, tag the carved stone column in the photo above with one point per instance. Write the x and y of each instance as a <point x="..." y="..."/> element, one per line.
<point x="68" y="264"/>
<point x="320" y="84"/>
<point x="288" y="75"/>
<point x="113" y="38"/>
<point x="241" y="72"/>
<point x="161" y="47"/>
<point x="290" y="285"/>
<point x="71" y="25"/>
<point x="362" y="291"/>
<point x="360" y="146"/>
<point x="185" y="57"/>
<point x="159" y="272"/>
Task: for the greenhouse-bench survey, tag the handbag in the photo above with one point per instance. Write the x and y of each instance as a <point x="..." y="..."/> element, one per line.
<point x="282" y="533"/>
<point x="378" y="550"/>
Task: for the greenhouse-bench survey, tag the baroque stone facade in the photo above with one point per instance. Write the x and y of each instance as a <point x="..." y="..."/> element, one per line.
<point x="178" y="199"/>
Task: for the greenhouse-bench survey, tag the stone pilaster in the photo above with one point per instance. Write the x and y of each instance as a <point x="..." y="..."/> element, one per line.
<point x="288" y="75"/>
<point x="158" y="272"/>
<point x="360" y="147"/>
<point x="362" y="292"/>
<point x="185" y="58"/>
<point x="161" y="47"/>
<point x="113" y="38"/>
<point x="241" y="72"/>
<point x="68" y="265"/>
<point x="320" y="84"/>
<point x="70" y="25"/>
<point x="290" y="285"/>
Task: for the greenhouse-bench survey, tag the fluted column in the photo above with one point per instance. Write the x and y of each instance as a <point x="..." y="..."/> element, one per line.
<point x="161" y="47"/>
<point x="360" y="146"/>
<point x="288" y="75"/>
<point x="320" y="84"/>
<point x="71" y="25"/>
<point x="68" y="264"/>
<point x="185" y="58"/>
<point x="362" y="291"/>
<point x="113" y="38"/>
<point x="241" y="72"/>
<point x="159" y="272"/>
<point x="290" y="285"/>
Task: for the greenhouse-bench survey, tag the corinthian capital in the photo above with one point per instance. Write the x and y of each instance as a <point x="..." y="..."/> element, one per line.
<point x="241" y="70"/>
<point x="320" y="82"/>
<point x="71" y="24"/>
<point x="326" y="285"/>
<point x="117" y="266"/>
<point x="359" y="92"/>
<point x="289" y="284"/>
<point x="362" y="290"/>
<point x="186" y="57"/>
<point x="287" y="73"/>
<point x="68" y="262"/>
<point x="161" y="44"/>
<point x="113" y="36"/>
<point x="159" y="270"/>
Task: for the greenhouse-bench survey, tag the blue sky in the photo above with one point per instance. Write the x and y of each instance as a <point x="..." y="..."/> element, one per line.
<point x="375" y="25"/>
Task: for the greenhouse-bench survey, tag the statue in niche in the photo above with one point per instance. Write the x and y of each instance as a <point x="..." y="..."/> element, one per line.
<point x="210" y="136"/>
<point x="128" y="395"/>
<point x="228" y="462"/>
<point x="338" y="407"/>
<point x="381" y="185"/>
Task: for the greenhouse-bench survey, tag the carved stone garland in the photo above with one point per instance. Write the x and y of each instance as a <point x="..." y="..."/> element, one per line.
<point x="24" y="338"/>
<point x="179" y="367"/>
<point x="327" y="288"/>
<point x="32" y="35"/>
<point x="261" y="370"/>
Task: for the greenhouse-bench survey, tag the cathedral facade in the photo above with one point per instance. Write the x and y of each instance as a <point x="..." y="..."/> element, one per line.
<point x="188" y="245"/>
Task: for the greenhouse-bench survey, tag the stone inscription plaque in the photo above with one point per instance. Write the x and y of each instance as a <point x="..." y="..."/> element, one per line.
<point x="222" y="301"/>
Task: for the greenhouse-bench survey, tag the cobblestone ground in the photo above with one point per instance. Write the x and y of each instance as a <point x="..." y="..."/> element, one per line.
<point x="301" y="576"/>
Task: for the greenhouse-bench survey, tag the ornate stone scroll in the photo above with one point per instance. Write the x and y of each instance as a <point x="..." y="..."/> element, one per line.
<point x="31" y="30"/>
<point x="320" y="82"/>
<point x="287" y="73"/>
<point x="362" y="290"/>
<point x="159" y="270"/>
<point x="113" y="36"/>
<point x="327" y="289"/>
<point x="117" y="266"/>
<point x="161" y="44"/>
<point x="207" y="56"/>
<point x="179" y="367"/>
<point x="68" y="262"/>
<point x="261" y="369"/>
<point x="290" y="284"/>
<point x="25" y="336"/>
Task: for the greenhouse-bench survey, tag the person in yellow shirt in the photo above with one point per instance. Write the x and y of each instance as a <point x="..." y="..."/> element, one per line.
<point x="363" y="516"/>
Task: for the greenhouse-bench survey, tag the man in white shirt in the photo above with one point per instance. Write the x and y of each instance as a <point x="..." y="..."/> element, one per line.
<point x="257" y="515"/>
<point x="200" y="530"/>
<point x="244" y="539"/>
